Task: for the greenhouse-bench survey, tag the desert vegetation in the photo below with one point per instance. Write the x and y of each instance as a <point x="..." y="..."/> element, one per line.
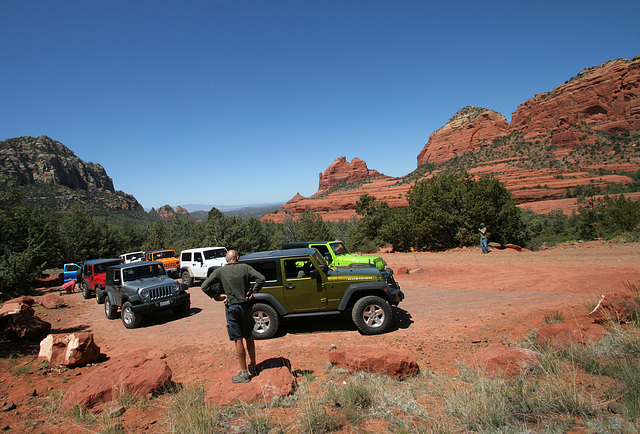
<point x="443" y="212"/>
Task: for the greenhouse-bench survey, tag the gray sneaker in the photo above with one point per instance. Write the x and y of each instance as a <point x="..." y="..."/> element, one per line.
<point x="242" y="377"/>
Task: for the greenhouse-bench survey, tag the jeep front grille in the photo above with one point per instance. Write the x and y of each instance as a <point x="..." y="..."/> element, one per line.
<point x="160" y="292"/>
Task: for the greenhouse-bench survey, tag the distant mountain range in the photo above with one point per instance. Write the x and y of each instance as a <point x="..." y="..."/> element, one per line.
<point x="227" y="209"/>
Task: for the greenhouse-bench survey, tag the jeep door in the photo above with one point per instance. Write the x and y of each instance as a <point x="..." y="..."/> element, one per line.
<point x="301" y="291"/>
<point x="198" y="266"/>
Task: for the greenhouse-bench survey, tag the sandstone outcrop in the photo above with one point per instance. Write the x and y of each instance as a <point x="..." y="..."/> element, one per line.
<point x="270" y="383"/>
<point x="606" y="97"/>
<point x="470" y="129"/>
<point x="52" y="301"/>
<point x="544" y="152"/>
<point x="343" y="170"/>
<point x="128" y="374"/>
<point x="398" y="363"/>
<point x="166" y="212"/>
<point x="69" y="349"/>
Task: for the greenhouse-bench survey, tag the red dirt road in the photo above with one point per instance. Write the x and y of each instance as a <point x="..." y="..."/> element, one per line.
<point x="450" y="296"/>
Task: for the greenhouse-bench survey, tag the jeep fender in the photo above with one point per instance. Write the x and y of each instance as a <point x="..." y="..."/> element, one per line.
<point x="370" y="288"/>
<point x="183" y="269"/>
<point x="133" y="299"/>
<point x="270" y="299"/>
<point x="111" y="296"/>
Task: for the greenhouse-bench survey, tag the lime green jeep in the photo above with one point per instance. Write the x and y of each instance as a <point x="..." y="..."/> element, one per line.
<point x="337" y="255"/>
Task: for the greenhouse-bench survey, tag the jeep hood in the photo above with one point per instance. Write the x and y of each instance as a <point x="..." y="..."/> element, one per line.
<point x="349" y="258"/>
<point x="348" y="273"/>
<point x="149" y="282"/>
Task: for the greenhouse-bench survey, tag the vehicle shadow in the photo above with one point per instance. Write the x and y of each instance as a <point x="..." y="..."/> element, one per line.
<point x="320" y="324"/>
<point x="165" y="317"/>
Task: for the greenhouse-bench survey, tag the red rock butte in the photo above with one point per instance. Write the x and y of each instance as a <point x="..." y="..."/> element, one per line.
<point x="553" y="144"/>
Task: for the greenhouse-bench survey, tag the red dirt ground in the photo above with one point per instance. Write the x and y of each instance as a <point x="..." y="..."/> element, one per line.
<point x="450" y="296"/>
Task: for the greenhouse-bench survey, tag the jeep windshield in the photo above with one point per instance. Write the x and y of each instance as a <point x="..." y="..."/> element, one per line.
<point x="165" y="254"/>
<point x="319" y="258"/>
<point x="214" y="253"/>
<point x="143" y="272"/>
<point x="339" y="248"/>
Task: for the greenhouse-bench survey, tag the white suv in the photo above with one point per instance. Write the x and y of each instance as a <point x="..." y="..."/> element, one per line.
<point x="197" y="264"/>
<point x="132" y="257"/>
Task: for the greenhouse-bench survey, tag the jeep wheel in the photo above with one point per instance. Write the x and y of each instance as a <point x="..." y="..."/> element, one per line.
<point x="266" y="320"/>
<point x="85" y="290"/>
<point x="372" y="315"/>
<point x="99" y="295"/>
<point x="130" y="319"/>
<point x="186" y="278"/>
<point x="183" y="309"/>
<point x="110" y="310"/>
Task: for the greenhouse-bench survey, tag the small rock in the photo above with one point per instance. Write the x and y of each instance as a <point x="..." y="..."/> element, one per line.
<point x="117" y="412"/>
<point x="7" y="405"/>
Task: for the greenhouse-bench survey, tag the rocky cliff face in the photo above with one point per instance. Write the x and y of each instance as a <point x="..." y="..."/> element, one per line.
<point x="57" y="179"/>
<point x="40" y="160"/>
<point x="468" y="130"/>
<point x="553" y="144"/>
<point x="605" y="97"/>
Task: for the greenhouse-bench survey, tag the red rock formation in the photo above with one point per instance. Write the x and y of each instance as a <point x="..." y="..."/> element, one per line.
<point x="606" y="97"/>
<point x="599" y="98"/>
<point x="468" y="130"/>
<point x="342" y="170"/>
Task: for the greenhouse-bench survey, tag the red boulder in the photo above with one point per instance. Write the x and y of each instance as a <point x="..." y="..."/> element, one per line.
<point x="400" y="364"/>
<point x="135" y="375"/>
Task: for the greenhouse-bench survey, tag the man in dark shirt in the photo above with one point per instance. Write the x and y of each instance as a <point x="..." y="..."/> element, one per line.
<point x="235" y="278"/>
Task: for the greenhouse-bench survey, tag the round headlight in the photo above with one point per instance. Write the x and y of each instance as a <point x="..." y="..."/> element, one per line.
<point x="144" y="293"/>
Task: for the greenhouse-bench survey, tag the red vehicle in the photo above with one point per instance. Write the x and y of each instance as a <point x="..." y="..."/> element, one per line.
<point x="92" y="276"/>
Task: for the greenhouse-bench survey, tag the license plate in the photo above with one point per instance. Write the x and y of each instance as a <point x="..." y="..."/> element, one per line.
<point x="165" y="303"/>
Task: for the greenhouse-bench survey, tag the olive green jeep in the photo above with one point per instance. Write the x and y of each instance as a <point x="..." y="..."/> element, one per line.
<point x="300" y="283"/>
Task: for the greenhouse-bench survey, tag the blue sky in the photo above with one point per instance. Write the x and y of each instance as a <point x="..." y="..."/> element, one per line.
<point x="242" y="102"/>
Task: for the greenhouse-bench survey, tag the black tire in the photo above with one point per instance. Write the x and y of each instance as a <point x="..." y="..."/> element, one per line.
<point x="186" y="278"/>
<point x="99" y="295"/>
<point x="110" y="311"/>
<point x="85" y="290"/>
<point x="372" y="315"/>
<point x="267" y="321"/>
<point x="130" y="319"/>
<point x="183" y="309"/>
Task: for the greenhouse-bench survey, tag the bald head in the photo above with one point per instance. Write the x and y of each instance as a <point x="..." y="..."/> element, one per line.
<point x="232" y="256"/>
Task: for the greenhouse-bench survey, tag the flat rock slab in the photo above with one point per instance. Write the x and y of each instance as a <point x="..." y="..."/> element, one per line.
<point x="135" y="375"/>
<point x="399" y="364"/>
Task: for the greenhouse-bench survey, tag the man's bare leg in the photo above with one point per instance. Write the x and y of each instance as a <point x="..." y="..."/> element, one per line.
<point x="241" y="354"/>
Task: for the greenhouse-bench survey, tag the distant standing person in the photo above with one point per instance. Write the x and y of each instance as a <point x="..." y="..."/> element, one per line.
<point x="236" y="293"/>
<point x="484" y="242"/>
